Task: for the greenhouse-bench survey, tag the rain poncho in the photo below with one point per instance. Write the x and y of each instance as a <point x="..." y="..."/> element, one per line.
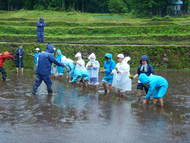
<point x="108" y="67"/>
<point x="80" y="69"/>
<point x="40" y="30"/>
<point x="121" y="78"/>
<point x="157" y="85"/>
<point x="93" y="67"/>
<point x="60" y="58"/>
<point x="36" y="56"/>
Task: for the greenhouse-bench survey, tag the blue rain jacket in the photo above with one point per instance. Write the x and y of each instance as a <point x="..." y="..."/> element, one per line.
<point x="157" y="85"/>
<point x="109" y="66"/>
<point x="59" y="57"/>
<point x="36" y="56"/>
<point x="45" y="61"/>
<point x="40" y="26"/>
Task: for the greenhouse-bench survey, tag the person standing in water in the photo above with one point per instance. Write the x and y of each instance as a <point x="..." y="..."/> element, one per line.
<point x="40" y="30"/>
<point x="19" y="59"/>
<point x="43" y="71"/>
<point x="157" y="88"/>
<point x="121" y="80"/>
<point x="109" y="66"/>
<point x="93" y="67"/>
<point x="3" y="57"/>
<point x="36" y="56"/>
<point x="145" y="68"/>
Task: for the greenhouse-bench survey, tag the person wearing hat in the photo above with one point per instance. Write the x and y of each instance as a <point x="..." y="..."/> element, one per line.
<point x="121" y="80"/>
<point x="40" y="30"/>
<point x="36" y="56"/>
<point x="157" y="88"/>
<point x="109" y="66"/>
<point x="43" y="71"/>
<point x="93" y="67"/>
<point x="80" y="71"/>
<point x="145" y="68"/>
<point x="3" y="57"/>
<point x="19" y="59"/>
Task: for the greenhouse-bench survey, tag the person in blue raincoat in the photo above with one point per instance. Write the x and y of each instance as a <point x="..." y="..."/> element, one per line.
<point x="157" y="87"/>
<point x="43" y="71"/>
<point x="36" y="56"/>
<point x="109" y="66"/>
<point x="70" y="68"/>
<point x="19" y="59"/>
<point x="40" y="30"/>
<point x="60" y="58"/>
<point x="146" y="68"/>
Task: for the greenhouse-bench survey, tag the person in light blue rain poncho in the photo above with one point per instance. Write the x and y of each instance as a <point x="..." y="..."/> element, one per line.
<point x="60" y="58"/>
<point x="93" y="67"/>
<point x="36" y="56"/>
<point x="109" y="66"/>
<point x="157" y="87"/>
<point x="70" y="68"/>
<point x="80" y="72"/>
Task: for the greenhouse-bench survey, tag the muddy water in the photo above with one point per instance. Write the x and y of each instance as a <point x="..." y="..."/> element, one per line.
<point x="74" y="115"/>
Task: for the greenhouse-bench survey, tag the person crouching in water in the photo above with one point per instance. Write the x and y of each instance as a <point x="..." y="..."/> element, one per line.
<point x="3" y="57"/>
<point x="93" y="67"/>
<point x="121" y="80"/>
<point x="145" y="68"/>
<point x="36" y="56"/>
<point x="109" y="66"/>
<point x="80" y="72"/>
<point x="60" y="58"/>
<point x="43" y="71"/>
<point x="157" y="88"/>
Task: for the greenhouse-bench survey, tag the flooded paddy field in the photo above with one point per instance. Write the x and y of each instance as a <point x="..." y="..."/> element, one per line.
<point x="76" y="115"/>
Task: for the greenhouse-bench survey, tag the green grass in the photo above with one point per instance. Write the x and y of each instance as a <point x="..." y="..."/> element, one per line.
<point x="155" y="37"/>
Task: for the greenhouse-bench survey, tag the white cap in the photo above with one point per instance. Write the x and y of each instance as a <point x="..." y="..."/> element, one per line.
<point x="37" y="49"/>
<point x="121" y="56"/>
<point x="92" y="56"/>
<point x="78" y="55"/>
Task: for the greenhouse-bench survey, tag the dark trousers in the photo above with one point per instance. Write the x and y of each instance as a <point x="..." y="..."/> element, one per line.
<point x="4" y="74"/>
<point x="38" y="81"/>
<point x="40" y="37"/>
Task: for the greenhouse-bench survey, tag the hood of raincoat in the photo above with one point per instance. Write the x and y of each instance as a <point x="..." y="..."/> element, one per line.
<point x="59" y="52"/>
<point x="50" y="48"/>
<point x="127" y="59"/>
<point x="108" y="55"/>
<point x="92" y="56"/>
<point x="78" y="55"/>
<point x="144" y="78"/>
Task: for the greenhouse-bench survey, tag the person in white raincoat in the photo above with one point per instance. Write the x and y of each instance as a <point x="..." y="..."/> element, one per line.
<point x="80" y="69"/>
<point x="121" y="80"/>
<point x="93" y="67"/>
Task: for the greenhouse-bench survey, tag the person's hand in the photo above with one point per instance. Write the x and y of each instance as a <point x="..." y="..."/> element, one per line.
<point x="102" y="71"/>
<point x="20" y="56"/>
<point x="131" y="77"/>
<point x="145" y="101"/>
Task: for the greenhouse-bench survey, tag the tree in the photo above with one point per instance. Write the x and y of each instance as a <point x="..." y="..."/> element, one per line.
<point x="117" y="6"/>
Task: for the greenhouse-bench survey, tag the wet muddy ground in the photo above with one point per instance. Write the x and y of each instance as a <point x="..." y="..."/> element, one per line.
<point x="75" y="115"/>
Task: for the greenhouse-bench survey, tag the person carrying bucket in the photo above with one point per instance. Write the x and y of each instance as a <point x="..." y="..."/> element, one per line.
<point x="19" y="59"/>
<point x="121" y="80"/>
<point x="3" y="57"/>
<point x="43" y="71"/>
<point x="157" y="88"/>
<point x="109" y="66"/>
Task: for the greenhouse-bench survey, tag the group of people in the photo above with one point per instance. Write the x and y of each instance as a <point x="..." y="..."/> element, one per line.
<point x="52" y="63"/>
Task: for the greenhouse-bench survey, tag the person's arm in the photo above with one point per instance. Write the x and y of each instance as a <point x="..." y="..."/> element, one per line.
<point x="8" y="56"/>
<point x="137" y="74"/>
<point x="53" y="60"/>
<point x="112" y="67"/>
<point x="150" y="91"/>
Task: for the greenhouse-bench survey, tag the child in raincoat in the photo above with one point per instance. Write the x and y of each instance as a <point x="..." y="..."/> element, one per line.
<point x="70" y="68"/>
<point x="3" y="57"/>
<point x="121" y="80"/>
<point x="53" y="66"/>
<point x="157" y="87"/>
<point x="109" y="66"/>
<point x="60" y="58"/>
<point x="146" y="68"/>
<point x="80" y="71"/>
<point x="93" y="67"/>
<point x="36" y="56"/>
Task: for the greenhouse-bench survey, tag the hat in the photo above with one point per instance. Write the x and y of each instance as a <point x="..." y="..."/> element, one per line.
<point x="78" y="55"/>
<point x="37" y="49"/>
<point x="121" y="56"/>
<point x="92" y="56"/>
<point x="144" y="58"/>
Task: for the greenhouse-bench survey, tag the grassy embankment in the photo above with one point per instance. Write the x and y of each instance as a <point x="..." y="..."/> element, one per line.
<point x="165" y="40"/>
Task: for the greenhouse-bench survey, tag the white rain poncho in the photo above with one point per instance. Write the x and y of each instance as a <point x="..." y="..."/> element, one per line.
<point x="93" y="67"/>
<point x="121" y="80"/>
